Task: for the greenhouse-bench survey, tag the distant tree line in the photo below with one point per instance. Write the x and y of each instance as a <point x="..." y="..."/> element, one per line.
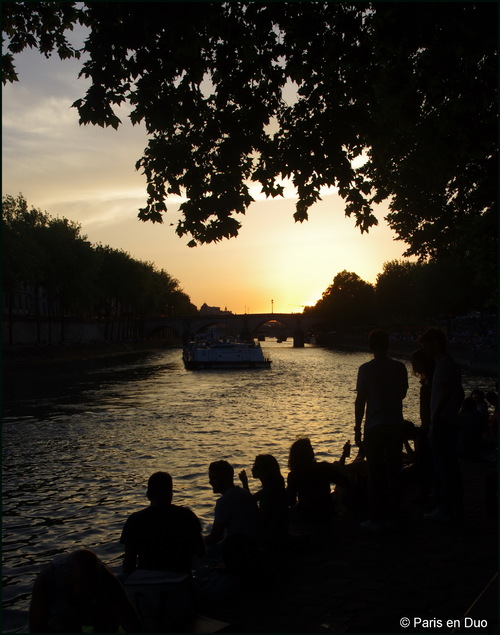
<point x="404" y="293"/>
<point x="62" y="275"/>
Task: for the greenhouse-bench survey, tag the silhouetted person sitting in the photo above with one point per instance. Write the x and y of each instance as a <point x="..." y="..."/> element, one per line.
<point x="492" y="399"/>
<point x="491" y="436"/>
<point x="163" y="536"/>
<point x="272" y="501"/>
<point x="236" y="520"/>
<point x="472" y="430"/>
<point x="160" y="543"/>
<point x="381" y="387"/>
<point x="308" y="484"/>
<point x="77" y="592"/>
<point x="351" y="494"/>
<point x="481" y="404"/>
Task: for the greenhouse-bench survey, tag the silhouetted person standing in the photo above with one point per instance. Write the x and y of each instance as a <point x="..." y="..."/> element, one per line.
<point x="423" y="367"/>
<point x="381" y="386"/>
<point x="447" y="395"/>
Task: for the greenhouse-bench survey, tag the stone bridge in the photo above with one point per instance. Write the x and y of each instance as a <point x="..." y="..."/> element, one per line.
<point x="245" y="325"/>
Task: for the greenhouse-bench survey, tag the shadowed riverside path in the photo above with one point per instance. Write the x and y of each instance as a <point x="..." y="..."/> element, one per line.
<point x="344" y="580"/>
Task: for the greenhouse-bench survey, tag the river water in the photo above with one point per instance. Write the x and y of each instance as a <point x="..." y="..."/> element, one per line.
<point x="81" y="439"/>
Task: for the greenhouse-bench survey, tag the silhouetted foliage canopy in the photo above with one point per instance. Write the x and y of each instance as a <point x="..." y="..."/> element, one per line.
<point x="348" y="300"/>
<point x="393" y="101"/>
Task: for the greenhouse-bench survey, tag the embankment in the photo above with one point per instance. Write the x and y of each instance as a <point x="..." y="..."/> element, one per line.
<point x="472" y="357"/>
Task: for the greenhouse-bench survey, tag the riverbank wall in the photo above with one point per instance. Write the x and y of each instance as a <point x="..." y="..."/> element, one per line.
<point x="472" y="357"/>
<point x="25" y="332"/>
<point x="22" y="356"/>
<point x="29" y="341"/>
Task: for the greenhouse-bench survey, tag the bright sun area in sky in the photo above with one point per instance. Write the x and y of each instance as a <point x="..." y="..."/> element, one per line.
<point x="87" y="174"/>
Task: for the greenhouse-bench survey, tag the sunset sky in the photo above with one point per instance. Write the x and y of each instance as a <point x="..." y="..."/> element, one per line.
<point x="87" y="174"/>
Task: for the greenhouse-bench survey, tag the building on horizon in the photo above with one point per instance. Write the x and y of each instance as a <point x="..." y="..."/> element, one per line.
<point x="213" y="310"/>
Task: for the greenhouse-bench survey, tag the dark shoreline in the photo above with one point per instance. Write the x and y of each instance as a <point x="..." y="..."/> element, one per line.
<point x="18" y="356"/>
<point x="470" y="358"/>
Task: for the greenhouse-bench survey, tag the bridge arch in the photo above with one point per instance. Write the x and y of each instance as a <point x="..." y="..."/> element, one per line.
<point x="245" y="324"/>
<point x="164" y="332"/>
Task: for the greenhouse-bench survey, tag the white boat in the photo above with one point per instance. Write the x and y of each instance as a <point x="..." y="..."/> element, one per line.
<point x="201" y="355"/>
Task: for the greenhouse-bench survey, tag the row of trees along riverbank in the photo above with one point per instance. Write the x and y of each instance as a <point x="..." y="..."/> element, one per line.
<point x="406" y="292"/>
<point x="407" y="298"/>
<point x="52" y="273"/>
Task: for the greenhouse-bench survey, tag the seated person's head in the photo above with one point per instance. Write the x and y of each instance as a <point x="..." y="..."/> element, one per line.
<point x="84" y="576"/>
<point x="468" y="405"/>
<point x="221" y="475"/>
<point x="160" y="488"/>
<point x="301" y="454"/>
<point x="478" y="395"/>
<point x="492" y="398"/>
<point x="266" y="468"/>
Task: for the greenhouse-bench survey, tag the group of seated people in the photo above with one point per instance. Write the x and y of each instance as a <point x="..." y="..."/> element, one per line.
<point x="78" y="592"/>
<point x="478" y="427"/>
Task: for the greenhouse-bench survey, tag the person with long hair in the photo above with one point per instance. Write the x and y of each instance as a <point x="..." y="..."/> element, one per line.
<point x="272" y="501"/>
<point x="309" y="483"/>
